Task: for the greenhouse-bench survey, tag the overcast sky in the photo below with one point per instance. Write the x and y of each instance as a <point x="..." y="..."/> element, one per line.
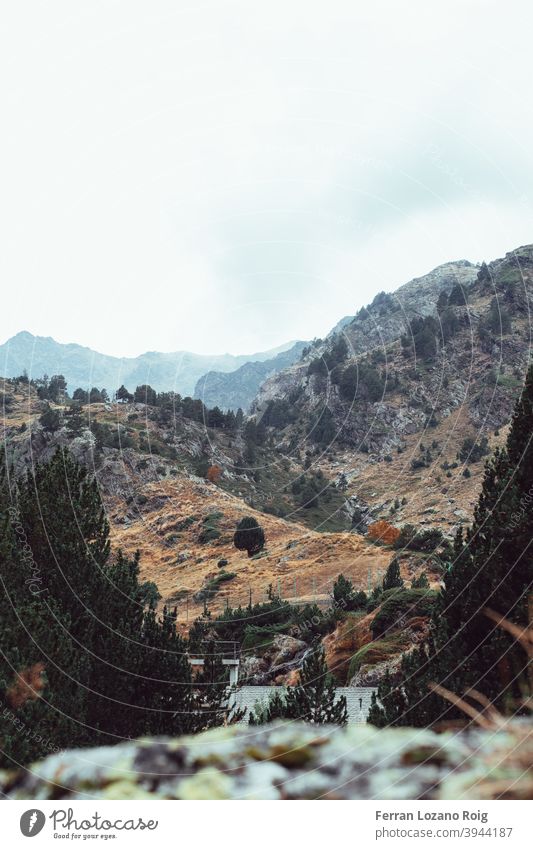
<point x="226" y="176"/>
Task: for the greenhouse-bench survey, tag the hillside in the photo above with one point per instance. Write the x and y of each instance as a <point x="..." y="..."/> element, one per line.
<point x="151" y="473"/>
<point x="81" y="366"/>
<point x="406" y="402"/>
<point x="156" y="503"/>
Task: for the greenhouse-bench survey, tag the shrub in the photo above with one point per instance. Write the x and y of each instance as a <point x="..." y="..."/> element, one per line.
<point x="213" y="473"/>
<point x="473" y="451"/>
<point x="376" y="652"/>
<point x="212" y="586"/>
<point x="50" y="419"/>
<point x="383" y="531"/>
<point x="426" y="540"/>
<point x="210" y="531"/>
<point x="233" y="622"/>
<point x="208" y="535"/>
<point x="375" y="599"/>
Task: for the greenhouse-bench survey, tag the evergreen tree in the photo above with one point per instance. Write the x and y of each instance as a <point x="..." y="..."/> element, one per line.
<point x="80" y="395"/>
<point x="123" y="395"/>
<point x="81" y="626"/>
<point x="343" y="592"/>
<point x="95" y="396"/>
<point x="57" y="388"/>
<point x="249" y="536"/>
<point x="145" y="395"/>
<point x="393" y="579"/>
<point x="314" y="698"/>
<point x="34" y="635"/>
<point x="212" y="690"/>
<point x="491" y="568"/>
<point x="458" y="296"/>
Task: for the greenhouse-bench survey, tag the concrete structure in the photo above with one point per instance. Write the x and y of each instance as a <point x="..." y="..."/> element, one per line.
<point x="227" y="650"/>
<point x="232" y="663"/>
<point x="358" y="701"/>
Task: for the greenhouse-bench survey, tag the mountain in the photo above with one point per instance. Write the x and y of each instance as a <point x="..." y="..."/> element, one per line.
<point x="386" y="432"/>
<point x="231" y="390"/>
<point x="341" y="324"/>
<point x="178" y="371"/>
<point x="382" y="322"/>
<point x="404" y="404"/>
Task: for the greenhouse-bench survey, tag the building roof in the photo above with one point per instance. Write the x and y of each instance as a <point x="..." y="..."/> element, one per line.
<point x="358" y="700"/>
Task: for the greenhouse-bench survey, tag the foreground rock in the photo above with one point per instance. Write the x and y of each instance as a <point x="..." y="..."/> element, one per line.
<point x="291" y="761"/>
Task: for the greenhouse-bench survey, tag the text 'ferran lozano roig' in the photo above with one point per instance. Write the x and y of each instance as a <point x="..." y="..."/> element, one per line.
<point x="439" y="816"/>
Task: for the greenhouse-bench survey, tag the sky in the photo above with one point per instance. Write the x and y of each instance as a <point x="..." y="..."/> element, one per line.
<point x="226" y="176"/>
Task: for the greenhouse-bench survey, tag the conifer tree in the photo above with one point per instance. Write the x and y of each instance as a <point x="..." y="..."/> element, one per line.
<point x="249" y="536"/>
<point x="491" y="569"/>
<point x="393" y="579"/>
<point x="313" y="699"/>
<point x="80" y="625"/>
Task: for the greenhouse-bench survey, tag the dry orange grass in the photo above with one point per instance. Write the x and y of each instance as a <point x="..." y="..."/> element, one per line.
<point x="299" y="563"/>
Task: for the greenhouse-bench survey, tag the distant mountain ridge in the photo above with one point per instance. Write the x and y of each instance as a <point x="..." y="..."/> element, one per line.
<point x="238" y="388"/>
<point x="178" y="371"/>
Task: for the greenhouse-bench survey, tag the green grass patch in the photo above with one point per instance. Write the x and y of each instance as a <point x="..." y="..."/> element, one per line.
<point x="260" y="638"/>
<point x="399" y="606"/>
<point x="210" y="589"/>
<point x="376" y="652"/>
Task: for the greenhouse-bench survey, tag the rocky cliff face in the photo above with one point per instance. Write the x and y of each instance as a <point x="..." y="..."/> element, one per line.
<point x="291" y="761"/>
<point x="423" y="377"/>
<point x="380" y="324"/>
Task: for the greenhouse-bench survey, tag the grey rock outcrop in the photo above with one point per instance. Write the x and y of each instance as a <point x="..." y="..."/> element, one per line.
<point x="290" y="761"/>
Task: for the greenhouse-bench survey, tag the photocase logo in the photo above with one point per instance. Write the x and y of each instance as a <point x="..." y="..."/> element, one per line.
<point x="32" y="822"/>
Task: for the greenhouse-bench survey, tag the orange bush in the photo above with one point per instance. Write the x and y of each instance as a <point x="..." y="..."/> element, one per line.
<point x="28" y="685"/>
<point x="214" y="473"/>
<point x="383" y="531"/>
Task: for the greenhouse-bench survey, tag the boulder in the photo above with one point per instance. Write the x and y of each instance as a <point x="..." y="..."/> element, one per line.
<point x="284" y="649"/>
<point x="290" y="761"/>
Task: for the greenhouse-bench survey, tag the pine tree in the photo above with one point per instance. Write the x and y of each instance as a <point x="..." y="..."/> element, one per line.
<point x="393" y="579"/>
<point x="34" y="635"/>
<point x="81" y="626"/>
<point x="313" y="699"/>
<point x="491" y="568"/>
<point x="249" y="536"/>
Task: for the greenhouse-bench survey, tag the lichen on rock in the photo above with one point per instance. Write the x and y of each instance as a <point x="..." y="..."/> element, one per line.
<point x="290" y="761"/>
